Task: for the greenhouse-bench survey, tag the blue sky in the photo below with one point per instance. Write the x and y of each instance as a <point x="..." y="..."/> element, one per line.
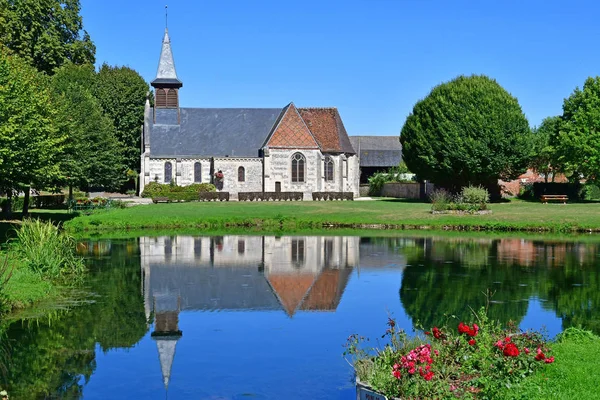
<point x="372" y="59"/>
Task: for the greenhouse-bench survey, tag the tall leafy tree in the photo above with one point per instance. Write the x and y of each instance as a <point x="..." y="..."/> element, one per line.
<point x="122" y="93"/>
<point x="543" y="159"/>
<point x="578" y="142"/>
<point x="29" y="140"/>
<point x="46" y="33"/>
<point x="92" y="156"/>
<point x="467" y="131"/>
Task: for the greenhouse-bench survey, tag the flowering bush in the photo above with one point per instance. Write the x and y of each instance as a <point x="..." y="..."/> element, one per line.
<point x="469" y="361"/>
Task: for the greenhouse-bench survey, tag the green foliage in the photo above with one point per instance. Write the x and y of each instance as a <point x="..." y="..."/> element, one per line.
<point x="154" y="189"/>
<point x="46" y="34"/>
<point x="47" y="251"/>
<point x="590" y="192"/>
<point x="376" y="182"/>
<point x="92" y="156"/>
<point x="471" y="199"/>
<point x="122" y="92"/>
<point x="577" y="141"/>
<point x="393" y="174"/>
<point x="475" y="195"/>
<point x="29" y="141"/>
<point x="543" y="153"/>
<point x="466" y="131"/>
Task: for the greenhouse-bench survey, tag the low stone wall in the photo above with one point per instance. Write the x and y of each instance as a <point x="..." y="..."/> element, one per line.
<point x="363" y="190"/>
<point x="407" y="190"/>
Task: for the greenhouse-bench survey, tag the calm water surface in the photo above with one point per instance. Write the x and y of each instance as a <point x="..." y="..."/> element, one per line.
<point x="251" y="317"/>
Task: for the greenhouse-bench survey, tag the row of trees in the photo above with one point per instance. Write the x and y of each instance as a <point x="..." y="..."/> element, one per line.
<point x="62" y="123"/>
<point x="471" y="131"/>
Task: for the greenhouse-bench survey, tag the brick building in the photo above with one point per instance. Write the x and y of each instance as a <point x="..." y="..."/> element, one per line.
<point x="287" y="149"/>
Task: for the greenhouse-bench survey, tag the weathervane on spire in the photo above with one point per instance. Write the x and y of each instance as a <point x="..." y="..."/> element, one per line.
<point x="166" y="16"/>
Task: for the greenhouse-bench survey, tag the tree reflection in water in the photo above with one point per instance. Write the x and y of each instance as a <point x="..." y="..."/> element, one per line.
<point x="447" y="276"/>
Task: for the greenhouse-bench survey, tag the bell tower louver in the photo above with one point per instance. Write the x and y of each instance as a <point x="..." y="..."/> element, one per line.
<point x="166" y="84"/>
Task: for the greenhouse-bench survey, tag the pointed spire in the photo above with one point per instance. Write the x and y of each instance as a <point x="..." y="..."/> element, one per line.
<point x="166" y="76"/>
<point x="166" y="355"/>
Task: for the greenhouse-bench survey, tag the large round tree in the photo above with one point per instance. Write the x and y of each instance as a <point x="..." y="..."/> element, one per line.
<point x="467" y="131"/>
<point x="577" y="141"/>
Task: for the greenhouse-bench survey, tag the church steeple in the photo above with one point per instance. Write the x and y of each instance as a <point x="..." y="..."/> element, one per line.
<point x="166" y="83"/>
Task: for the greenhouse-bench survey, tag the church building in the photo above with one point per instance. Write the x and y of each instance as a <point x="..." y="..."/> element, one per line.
<point x="289" y="149"/>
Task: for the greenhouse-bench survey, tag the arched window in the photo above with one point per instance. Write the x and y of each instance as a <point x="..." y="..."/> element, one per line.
<point x="298" y="166"/>
<point x="197" y="172"/>
<point x="329" y="169"/>
<point x="168" y="172"/>
<point x="241" y="174"/>
<point x="172" y="98"/>
<point x="161" y="98"/>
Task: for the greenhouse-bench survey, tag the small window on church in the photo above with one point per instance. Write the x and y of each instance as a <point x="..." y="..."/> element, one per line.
<point x="329" y="169"/>
<point x="241" y="174"/>
<point x="161" y="98"/>
<point x="197" y="172"/>
<point x="172" y="98"/>
<point x="298" y="165"/>
<point x="168" y="172"/>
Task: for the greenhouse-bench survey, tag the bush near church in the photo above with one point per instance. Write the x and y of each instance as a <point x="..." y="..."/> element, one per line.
<point x="177" y="193"/>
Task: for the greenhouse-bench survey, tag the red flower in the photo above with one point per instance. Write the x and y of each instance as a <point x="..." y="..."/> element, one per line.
<point x="437" y="333"/>
<point x="472" y="342"/>
<point x="428" y="376"/>
<point x="549" y="360"/>
<point x="462" y="328"/>
<point x="510" y="350"/>
<point x="397" y="374"/>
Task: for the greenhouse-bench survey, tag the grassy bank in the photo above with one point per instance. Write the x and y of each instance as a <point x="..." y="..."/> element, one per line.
<point x="574" y="375"/>
<point x="289" y="216"/>
<point x="39" y="264"/>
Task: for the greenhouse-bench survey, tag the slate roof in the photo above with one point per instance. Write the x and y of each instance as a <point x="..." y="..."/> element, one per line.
<point x="328" y="129"/>
<point x="213" y="132"/>
<point x="166" y="73"/>
<point x="377" y="151"/>
<point x="205" y="288"/>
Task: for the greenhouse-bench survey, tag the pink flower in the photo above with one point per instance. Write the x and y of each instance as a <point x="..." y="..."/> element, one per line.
<point x="499" y="344"/>
<point x="526" y="350"/>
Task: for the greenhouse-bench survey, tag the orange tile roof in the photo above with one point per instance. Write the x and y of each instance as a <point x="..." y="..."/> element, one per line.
<point x="291" y="132"/>
<point x="327" y="128"/>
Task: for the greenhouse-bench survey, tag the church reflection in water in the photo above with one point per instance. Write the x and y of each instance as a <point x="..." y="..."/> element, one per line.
<point x="240" y="273"/>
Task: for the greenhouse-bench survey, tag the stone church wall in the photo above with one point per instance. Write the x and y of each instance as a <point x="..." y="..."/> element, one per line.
<point x="278" y="168"/>
<point x="253" y="174"/>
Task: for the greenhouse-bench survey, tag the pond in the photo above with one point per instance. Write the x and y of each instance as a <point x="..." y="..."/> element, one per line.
<point x="265" y="317"/>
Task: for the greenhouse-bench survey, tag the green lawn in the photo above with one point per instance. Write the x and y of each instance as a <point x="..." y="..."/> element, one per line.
<point x="574" y="374"/>
<point x="515" y="215"/>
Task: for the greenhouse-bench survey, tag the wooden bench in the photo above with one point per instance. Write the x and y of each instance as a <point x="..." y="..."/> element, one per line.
<point x="554" y="197"/>
<point x="160" y="200"/>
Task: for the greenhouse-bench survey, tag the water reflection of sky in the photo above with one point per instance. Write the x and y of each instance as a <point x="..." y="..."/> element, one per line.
<point x="266" y="317"/>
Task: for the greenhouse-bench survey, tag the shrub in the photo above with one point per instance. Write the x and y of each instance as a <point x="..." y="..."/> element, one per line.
<point x="479" y="360"/>
<point x="399" y="174"/>
<point x="440" y="200"/>
<point x="48" y="251"/>
<point x="475" y="195"/>
<point x="154" y="189"/>
<point x="376" y="182"/>
<point x="590" y="192"/>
